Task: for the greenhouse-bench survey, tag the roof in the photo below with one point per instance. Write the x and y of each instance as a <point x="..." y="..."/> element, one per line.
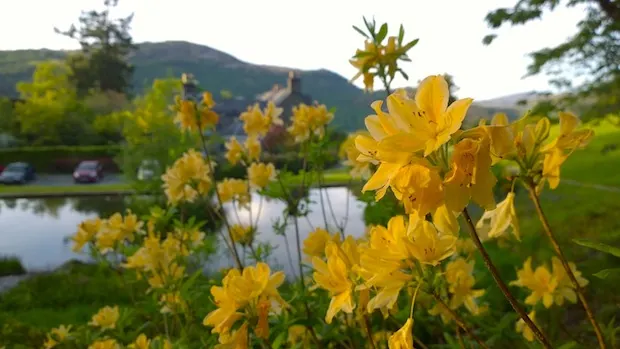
<point x="278" y="94"/>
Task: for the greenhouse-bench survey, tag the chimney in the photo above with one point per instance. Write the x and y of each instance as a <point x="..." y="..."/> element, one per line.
<point x="294" y="82"/>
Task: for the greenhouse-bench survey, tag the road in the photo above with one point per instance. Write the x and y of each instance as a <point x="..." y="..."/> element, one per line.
<point x="67" y="180"/>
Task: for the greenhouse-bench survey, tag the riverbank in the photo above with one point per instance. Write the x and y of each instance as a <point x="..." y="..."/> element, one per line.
<point x="333" y="178"/>
<point x="47" y="191"/>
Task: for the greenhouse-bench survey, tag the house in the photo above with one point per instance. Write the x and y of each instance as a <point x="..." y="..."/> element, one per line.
<point x="286" y="97"/>
<point x="283" y="97"/>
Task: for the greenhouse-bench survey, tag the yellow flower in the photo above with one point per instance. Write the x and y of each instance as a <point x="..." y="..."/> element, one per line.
<point x="242" y="234"/>
<point x="254" y="122"/>
<point x="569" y="138"/>
<point x="350" y="153"/>
<point x="403" y="338"/>
<point x="309" y="120"/>
<point x="254" y="287"/>
<point x="459" y="275"/>
<point x="540" y="282"/>
<point x="333" y="276"/>
<point x="470" y="175"/>
<point x="495" y="223"/>
<point x="273" y="113"/>
<point x="237" y="340"/>
<point x="298" y="334"/>
<point x="428" y="122"/>
<point x="231" y="189"/>
<point x="364" y="60"/>
<point x="314" y="244"/>
<point x="416" y="184"/>
<point x="426" y="244"/>
<point x="188" y="177"/>
<point x="87" y="230"/>
<point x="551" y="166"/>
<point x="57" y="336"/>
<point x="106" y="318"/>
<point x="260" y="174"/>
<point x="142" y="342"/>
<point x="192" y="117"/>
<point x="104" y="344"/>
<point x="234" y="150"/>
<point x="171" y="303"/>
<point x="526" y="330"/>
<point x="566" y="289"/>
<point x="252" y="144"/>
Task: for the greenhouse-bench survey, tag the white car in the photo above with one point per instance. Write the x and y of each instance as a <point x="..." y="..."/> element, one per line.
<point x="148" y="170"/>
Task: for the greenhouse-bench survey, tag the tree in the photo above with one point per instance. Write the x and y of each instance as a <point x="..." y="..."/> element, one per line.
<point x="106" y="43"/>
<point x="51" y="113"/>
<point x="150" y="132"/>
<point x="451" y="87"/>
<point x="593" y="52"/>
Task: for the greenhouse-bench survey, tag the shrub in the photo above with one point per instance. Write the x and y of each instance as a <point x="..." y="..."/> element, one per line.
<point x="10" y="265"/>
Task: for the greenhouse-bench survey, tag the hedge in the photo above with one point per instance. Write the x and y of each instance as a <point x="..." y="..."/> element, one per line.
<point x="64" y="159"/>
<point x="61" y="159"/>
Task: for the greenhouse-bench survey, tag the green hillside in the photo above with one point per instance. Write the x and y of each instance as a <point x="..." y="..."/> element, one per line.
<point x="217" y="71"/>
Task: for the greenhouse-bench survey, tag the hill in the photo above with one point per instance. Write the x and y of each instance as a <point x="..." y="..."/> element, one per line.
<point x="218" y="71"/>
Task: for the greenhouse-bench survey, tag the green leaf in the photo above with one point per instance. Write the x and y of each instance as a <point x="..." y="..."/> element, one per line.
<point x="363" y="54"/>
<point x="382" y="33"/>
<point x="613" y="273"/>
<point x="190" y="282"/>
<point x="280" y="339"/>
<point x="404" y="75"/>
<point x="487" y="40"/>
<point x="409" y="45"/>
<point x="615" y="251"/>
<point x="369" y="26"/>
<point x="568" y="345"/>
<point x="361" y="32"/>
<point x="401" y="35"/>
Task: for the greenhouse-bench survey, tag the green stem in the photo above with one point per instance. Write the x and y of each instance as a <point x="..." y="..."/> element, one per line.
<point x="219" y="200"/>
<point x="457" y="319"/>
<point x="500" y="283"/>
<point x="558" y="250"/>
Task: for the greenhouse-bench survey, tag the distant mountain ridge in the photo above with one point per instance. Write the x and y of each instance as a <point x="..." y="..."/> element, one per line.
<point x="217" y="71"/>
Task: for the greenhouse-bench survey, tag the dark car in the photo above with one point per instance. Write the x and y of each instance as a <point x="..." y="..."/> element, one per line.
<point x="17" y="173"/>
<point x="88" y="172"/>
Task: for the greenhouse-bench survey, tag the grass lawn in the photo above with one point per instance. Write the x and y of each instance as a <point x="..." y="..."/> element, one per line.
<point x="59" y="189"/>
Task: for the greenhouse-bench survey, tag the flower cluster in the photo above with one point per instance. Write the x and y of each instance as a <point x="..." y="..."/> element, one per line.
<point x="257" y="122"/>
<point x="249" y="296"/>
<point x="196" y="117"/>
<point x="106" y="234"/>
<point x="188" y="178"/>
<point x="309" y="120"/>
<point x="549" y="286"/>
<point x="379" y="59"/>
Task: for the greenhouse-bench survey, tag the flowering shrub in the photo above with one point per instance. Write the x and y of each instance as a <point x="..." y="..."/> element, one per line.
<point x="348" y="292"/>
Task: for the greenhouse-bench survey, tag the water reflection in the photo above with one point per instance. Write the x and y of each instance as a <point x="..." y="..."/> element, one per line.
<point x="34" y="229"/>
<point x="343" y="204"/>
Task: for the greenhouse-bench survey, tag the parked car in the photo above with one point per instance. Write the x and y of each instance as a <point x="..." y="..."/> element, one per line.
<point x="17" y="173"/>
<point x="1" y="168"/>
<point x="148" y="170"/>
<point x="88" y="171"/>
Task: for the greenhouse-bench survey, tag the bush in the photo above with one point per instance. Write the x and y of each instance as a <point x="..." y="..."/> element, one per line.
<point x="10" y="265"/>
<point x="62" y="159"/>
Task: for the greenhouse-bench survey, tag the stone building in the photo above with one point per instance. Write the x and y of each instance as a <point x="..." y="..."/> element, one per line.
<point x="283" y="97"/>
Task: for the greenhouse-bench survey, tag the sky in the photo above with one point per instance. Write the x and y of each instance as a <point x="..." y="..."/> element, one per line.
<point x="317" y="34"/>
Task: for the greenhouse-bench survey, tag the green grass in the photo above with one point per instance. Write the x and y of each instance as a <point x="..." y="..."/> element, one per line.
<point x="69" y="189"/>
<point x="10" y="265"/>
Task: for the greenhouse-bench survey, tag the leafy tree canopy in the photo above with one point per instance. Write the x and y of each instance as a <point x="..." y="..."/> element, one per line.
<point x="592" y="53"/>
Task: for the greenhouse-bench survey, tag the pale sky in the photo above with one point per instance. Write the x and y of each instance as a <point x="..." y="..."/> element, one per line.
<point x="317" y="34"/>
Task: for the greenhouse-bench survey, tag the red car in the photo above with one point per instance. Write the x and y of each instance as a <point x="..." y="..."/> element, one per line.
<point x="1" y="168"/>
<point x="88" y="172"/>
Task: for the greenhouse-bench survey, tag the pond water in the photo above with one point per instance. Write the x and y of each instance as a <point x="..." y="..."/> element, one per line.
<point x="35" y="229"/>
